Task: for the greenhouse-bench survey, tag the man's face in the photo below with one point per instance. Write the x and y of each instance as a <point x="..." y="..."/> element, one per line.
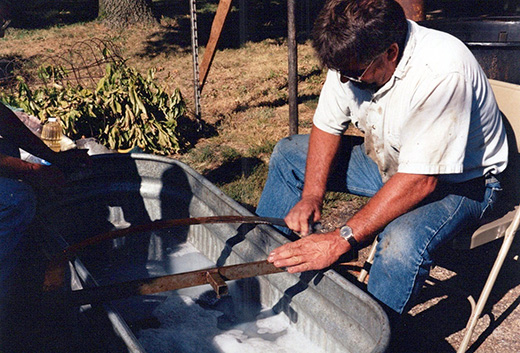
<point x="375" y="74"/>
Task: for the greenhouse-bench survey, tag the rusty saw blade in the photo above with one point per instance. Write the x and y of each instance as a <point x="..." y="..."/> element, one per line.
<point x="216" y="277"/>
<point x="55" y="272"/>
<point x="169" y="223"/>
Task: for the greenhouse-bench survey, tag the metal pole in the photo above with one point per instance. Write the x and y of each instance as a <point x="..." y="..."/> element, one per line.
<point x="308" y="26"/>
<point x="195" y="56"/>
<point x="293" y="68"/>
<point x="242" y="22"/>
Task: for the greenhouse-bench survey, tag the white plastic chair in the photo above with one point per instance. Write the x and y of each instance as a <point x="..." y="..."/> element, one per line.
<point x="508" y="98"/>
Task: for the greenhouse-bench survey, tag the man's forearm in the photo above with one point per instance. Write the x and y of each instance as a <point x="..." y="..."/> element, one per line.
<point x="399" y="195"/>
<point x="15" y="168"/>
<point x="13" y="130"/>
<point x="322" y="151"/>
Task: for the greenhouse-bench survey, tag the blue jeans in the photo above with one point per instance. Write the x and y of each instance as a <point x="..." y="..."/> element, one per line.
<point x="17" y="209"/>
<point x="406" y="246"/>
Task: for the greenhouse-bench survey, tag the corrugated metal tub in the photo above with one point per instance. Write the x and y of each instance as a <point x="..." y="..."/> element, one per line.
<point x="330" y="313"/>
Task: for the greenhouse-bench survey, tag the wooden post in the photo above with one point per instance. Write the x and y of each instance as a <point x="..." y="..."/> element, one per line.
<point x="216" y="29"/>
<point x="293" y="68"/>
<point x="413" y="9"/>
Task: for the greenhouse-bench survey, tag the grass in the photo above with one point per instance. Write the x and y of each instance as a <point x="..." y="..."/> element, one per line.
<point x="244" y="101"/>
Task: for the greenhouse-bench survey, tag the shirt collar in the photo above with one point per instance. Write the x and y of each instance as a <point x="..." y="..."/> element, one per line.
<point x="409" y="47"/>
<point x="403" y="66"/>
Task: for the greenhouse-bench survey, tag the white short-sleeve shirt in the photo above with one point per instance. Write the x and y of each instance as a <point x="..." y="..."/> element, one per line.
<point x="436" y="115"/>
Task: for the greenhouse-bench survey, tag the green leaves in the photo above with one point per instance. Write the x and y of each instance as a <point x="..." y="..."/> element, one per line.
<point x="125" y="110"/>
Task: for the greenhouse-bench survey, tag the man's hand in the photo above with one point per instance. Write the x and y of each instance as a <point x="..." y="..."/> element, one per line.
<point x="44" y="177"/>
<point x="315" y="252"/>
<point x="306" y="211"/>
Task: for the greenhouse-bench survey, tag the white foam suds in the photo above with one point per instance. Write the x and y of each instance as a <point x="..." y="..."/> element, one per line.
<point x="188" y="327"/>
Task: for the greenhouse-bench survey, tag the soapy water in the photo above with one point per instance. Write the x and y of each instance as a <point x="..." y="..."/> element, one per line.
<point x="188" y="327"/>
<point x="195" y="320"/>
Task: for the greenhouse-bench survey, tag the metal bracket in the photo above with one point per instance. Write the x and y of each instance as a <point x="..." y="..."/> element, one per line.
<point x="217" y="282"/>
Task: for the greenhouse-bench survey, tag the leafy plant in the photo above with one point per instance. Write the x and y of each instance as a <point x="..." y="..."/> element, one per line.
<point x="124" y="111"/>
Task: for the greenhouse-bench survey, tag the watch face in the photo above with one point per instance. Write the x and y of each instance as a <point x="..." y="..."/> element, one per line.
<point x="345" y="231"/>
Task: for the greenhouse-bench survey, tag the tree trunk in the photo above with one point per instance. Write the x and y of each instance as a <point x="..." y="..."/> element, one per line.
<point x="120" y="13"/>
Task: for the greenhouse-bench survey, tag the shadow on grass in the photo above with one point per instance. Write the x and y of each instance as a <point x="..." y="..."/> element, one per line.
<point x="192" y="130"/>
<point x="279" y="102"/>
<point x="240" y="179"/>
<point x="39" y="14"/>
<point x="262" y="19"/>
<point x="231" y="170"/>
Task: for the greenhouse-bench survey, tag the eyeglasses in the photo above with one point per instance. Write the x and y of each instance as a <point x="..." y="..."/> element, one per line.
<point x="356" y="76"/>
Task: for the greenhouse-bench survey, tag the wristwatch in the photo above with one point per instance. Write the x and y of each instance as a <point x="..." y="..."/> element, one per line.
<point x="346" y="233"/>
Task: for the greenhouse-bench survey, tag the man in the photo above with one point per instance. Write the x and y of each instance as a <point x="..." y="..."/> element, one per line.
<point x="434" y="143"/>
<point x="19" y="180"/>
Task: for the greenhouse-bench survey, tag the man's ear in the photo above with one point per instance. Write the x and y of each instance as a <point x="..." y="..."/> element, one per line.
<point x="392" y="53"/>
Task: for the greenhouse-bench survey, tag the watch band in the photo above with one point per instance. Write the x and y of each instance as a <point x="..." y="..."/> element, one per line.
<point x="346" y="233"/>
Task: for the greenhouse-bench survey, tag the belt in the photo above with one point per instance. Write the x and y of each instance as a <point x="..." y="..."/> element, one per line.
<point x="473" y="188"/>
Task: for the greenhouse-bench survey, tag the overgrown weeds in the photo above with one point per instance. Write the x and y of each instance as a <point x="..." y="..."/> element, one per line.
<point x="126" y="109"/>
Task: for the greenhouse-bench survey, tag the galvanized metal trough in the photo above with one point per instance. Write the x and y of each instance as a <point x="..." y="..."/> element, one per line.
<point x="123" y="190"/>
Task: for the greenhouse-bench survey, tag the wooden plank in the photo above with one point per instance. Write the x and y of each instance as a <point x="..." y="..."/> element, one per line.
<point x="224" y="6"/>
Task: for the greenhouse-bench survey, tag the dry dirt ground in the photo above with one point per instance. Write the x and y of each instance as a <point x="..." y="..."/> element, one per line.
<point x="437" y="322"/>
